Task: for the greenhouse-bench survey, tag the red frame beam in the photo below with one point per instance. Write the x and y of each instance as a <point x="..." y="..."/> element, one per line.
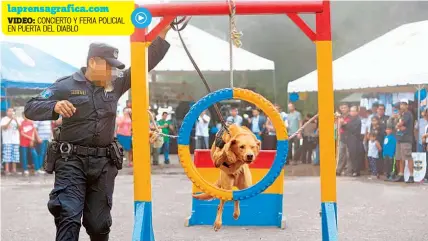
<point x="303" y="26"/>
<point x="169" y="11"/>
<point x="242" y="8"/>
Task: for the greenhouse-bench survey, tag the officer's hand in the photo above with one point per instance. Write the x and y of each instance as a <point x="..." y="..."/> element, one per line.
<point x="164" y="31"/>
<point x="65" y="108"/>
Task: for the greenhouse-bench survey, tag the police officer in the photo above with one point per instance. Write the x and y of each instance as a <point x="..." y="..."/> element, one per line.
<point x="84" y="170"/>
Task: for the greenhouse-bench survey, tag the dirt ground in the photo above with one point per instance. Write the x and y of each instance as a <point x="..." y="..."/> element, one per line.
<point x="367" y="210"/>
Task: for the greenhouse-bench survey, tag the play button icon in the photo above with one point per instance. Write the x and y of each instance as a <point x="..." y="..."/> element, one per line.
<point x="141" y="18"/>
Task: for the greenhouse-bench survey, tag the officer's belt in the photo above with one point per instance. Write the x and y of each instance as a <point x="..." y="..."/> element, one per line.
<point x="90" y="151"/>
<point x="87" y="151"/>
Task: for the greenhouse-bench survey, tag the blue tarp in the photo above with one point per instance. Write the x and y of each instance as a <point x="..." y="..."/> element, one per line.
<point x="26" y="67"/>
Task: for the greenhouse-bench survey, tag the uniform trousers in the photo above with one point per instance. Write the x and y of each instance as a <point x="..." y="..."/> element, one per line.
<point x="83" y="187"/>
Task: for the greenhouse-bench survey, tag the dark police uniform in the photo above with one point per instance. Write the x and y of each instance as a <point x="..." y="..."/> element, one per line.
<point x="84" y="181"/>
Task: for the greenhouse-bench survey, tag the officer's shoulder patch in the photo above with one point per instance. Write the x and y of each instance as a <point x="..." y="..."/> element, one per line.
<point x="46" y="94"/>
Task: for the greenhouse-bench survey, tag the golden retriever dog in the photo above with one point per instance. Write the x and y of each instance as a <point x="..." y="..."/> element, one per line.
<point x="240" y="149"/>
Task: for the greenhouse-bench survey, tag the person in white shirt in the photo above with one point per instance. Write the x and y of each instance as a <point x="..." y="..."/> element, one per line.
<point x="419" y="132"/>
<point x="365" y="123"/>
<point x="375" y="106"/>
<point x="10" y="137"/>
<point x="202" y="131"/>
<point x="425" y="145"/>
<point x="234" y="118"/>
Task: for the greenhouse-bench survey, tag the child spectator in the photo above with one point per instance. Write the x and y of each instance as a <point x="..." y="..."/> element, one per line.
<point x="373" y="153"/>
<point x="29" y="138"/>
<point x="379" y="130"/>
<point x="10" y="138"/>
<point x="388" y="153"/>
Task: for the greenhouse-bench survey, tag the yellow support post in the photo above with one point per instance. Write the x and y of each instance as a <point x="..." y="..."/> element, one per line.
<point x="326" y="124"/>
<point x="143" y="227"/>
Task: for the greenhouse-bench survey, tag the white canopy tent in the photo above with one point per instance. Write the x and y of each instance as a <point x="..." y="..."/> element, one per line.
<point x="396" y="61"/>
<point x="211" y="53"/>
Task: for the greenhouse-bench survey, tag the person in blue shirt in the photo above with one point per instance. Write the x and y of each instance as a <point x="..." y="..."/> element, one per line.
<point x="234" y="117"/>
<point x="257" y="124"/>
<point x="388" y="152"/>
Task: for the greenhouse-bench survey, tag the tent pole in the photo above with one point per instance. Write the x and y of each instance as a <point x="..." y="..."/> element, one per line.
<point x="418" y="117"/>
<point x="419" y="88"/>
<point x="274" y="86"/>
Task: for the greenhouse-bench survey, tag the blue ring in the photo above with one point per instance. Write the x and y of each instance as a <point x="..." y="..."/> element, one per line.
<point x="281" y="146"/>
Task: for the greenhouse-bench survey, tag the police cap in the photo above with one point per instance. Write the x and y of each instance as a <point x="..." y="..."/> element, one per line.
<point x="107" y="52"/>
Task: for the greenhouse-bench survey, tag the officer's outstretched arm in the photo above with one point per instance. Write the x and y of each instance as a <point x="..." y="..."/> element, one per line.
<point x="156" y="52"/>
<point x="42" y="107"/>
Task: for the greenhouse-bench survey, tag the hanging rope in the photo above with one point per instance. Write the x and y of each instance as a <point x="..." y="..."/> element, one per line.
<point x="175" y="26"/>
<point x="234" y="38"/>
<point x="235" y="35"/>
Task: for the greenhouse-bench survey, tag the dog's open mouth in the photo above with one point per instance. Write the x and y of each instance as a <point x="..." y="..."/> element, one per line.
<point x="248" y="162"/>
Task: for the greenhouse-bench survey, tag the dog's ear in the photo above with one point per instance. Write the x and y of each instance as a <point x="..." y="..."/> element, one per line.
<point x="259" y="143"/>
<point x="229" y="144"/>
<point x="259" y="146"/>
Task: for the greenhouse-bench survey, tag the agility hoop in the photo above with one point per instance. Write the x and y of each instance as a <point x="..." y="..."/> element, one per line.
<point x="184" y="138"/>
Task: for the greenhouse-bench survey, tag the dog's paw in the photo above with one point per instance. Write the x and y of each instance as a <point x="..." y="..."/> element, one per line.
<point x="236" y="214"/>
<point x="217" y="225"/>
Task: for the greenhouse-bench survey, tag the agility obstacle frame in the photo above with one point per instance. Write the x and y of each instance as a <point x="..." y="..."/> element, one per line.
<point x="268" y="173"/>
<point x="140" y="40"/>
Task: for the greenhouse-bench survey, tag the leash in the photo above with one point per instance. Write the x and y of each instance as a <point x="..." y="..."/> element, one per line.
<point x="303" y="126"/>
<point x="235" y="39"/>
<point x="175" y="27"/>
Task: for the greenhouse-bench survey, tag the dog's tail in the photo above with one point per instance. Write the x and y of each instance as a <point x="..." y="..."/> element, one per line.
<point x="206" y="196"/>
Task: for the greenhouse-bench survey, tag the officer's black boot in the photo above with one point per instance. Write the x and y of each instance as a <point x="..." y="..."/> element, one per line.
<point x="99" y="237"/>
